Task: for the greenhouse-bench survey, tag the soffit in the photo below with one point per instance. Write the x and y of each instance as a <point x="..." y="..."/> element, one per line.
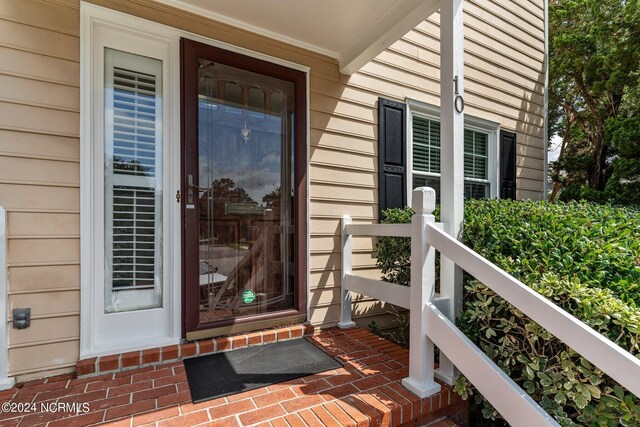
<point x="352" y="31"/>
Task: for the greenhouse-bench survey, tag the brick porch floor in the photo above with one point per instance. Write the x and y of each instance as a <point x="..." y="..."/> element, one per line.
<point x="367" y="391"/>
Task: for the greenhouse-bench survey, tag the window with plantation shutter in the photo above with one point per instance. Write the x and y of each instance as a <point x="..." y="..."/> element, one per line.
<point x="426" y="145"/>
<point x="426" y="154"/>
<point x="478" y="165"/>
<point x="133" y="177"/>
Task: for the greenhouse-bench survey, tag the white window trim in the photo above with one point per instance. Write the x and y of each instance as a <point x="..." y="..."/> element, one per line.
<point x="90" y="15"/>
<point x="432" y="112"/>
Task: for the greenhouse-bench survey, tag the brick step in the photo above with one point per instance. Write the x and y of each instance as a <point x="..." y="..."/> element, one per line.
<point x="174" y="353"/>
<point x="366" y="391"/>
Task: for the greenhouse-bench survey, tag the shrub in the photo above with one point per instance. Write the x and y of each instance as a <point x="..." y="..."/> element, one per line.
<point x="583" y="257"/>
<point x="565" y="384"/>
<point x="394" y="253"/>
<point x="596" y="244"/>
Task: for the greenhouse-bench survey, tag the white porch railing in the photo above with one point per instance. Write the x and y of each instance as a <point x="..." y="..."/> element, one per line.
<point x="430" y="326"/>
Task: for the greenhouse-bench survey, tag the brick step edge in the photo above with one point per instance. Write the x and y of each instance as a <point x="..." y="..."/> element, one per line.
<point x="173" y="353"/>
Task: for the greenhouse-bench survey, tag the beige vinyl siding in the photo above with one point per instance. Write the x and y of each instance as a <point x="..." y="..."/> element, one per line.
<point x="504" y="83"/>
<point x="39" y="180"/>
<point x="39" y="146"/>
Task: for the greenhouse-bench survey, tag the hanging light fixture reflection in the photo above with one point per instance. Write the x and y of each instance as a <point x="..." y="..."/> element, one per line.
<point x="245" y="132"/>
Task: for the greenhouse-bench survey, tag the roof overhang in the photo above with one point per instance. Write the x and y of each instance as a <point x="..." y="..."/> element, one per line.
<point x="352" y="31"/>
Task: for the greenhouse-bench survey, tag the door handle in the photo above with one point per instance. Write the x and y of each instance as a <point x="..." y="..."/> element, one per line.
<point x="190" y="187"/>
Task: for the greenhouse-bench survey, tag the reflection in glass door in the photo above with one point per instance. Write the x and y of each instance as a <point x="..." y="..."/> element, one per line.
<point x="244" y="192"/>
<point x="241" y="123"/>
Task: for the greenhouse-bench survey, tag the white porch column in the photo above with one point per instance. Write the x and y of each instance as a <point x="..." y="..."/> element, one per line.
<point x="5" y="381"/>
<point x="452" y="152"/>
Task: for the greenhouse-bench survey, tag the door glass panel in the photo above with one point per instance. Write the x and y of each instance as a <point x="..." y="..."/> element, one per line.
<point x="244" y="193"/>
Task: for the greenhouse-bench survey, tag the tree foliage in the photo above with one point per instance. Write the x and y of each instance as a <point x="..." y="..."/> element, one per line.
<point x="224" y="189"/>
<point x="594" y="99"/>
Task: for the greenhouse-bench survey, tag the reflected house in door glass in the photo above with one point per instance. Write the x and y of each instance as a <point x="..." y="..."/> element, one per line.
<point x="233" y="212"/>
<point x="240" y="251"/>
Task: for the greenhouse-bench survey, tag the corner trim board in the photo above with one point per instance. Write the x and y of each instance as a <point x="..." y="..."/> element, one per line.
<point x="6" y="382"/>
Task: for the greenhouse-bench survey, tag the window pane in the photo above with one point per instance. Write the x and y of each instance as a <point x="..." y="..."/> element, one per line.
<point x="475" y="154"/>
<point x="427" y="181"/>
<point x="133" y="177"/>
<point x="426" y="145"/>
<point x="476" y="190"/>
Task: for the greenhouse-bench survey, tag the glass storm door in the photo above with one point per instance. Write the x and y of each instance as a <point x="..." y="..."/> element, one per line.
<point x="239" y="189"/>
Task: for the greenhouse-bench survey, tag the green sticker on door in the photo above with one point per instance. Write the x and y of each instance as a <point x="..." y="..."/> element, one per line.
<point x="248" y="296"/>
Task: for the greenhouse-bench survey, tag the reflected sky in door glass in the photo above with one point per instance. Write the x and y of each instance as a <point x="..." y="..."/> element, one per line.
<point x="254" y="165"/>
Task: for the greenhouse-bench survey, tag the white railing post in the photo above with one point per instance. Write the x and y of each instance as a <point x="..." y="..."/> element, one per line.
<point x="421" y="373"/>
<point x="345" y="295"/>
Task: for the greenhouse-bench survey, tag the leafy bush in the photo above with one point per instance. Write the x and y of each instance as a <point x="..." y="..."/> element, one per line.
<point x="565" y="384"/>
<point x="595" y="244"/>
<point x="394" y="253"/>
<point x="583" y="257"/>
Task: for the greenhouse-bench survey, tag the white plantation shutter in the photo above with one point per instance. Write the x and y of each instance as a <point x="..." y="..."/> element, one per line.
<point x="133" y="177"/>
<point x="426" y="145"/>
<point x="426" y="154"/>
<point x="476" y="164"/>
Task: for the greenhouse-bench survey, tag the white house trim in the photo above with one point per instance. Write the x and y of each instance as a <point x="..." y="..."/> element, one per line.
<point x="545" y="125"/>
<point x="99" y="332"/>
<point x="246" y="26"/>
<point x="6" y="382"/>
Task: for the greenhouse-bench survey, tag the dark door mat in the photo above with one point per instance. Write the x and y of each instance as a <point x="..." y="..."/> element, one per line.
<point x="232" y="372"/>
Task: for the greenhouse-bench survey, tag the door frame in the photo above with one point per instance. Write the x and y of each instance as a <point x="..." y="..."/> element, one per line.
<point x="90" y="16"/>
<point x="190" y="51"/>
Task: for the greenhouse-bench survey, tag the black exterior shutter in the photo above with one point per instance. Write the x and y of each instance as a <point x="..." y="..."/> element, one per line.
<point x="507" y="165"/>
<point x="392" y="138"/>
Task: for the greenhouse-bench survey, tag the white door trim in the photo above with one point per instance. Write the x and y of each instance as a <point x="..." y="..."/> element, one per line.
<point x="102" y="333"/>
<point x="6" y="382"/>
<point x="90" y="260"/>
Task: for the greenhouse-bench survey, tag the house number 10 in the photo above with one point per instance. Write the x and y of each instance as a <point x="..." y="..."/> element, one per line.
<point x="458" y="101"/>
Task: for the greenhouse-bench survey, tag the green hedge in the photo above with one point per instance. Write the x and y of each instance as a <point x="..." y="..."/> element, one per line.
<point x="585" y="258"/>
<point x="595" y="244"/>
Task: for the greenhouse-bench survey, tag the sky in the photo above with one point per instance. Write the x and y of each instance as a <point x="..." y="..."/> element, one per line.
<point x="554" y="148"/>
